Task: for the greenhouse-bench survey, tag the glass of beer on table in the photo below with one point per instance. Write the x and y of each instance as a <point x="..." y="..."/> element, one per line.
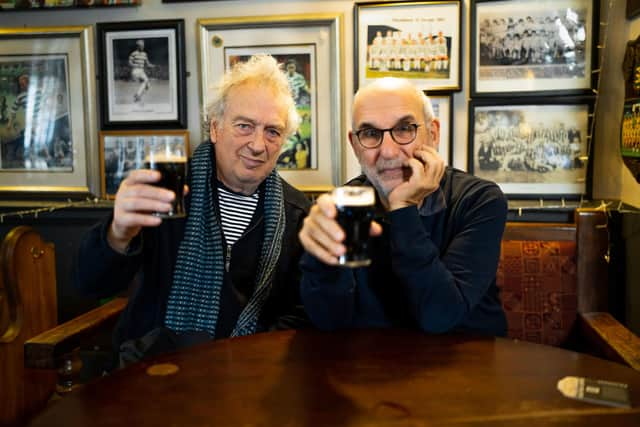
<point x="169" y="158"/>
<point x="355" y="210"/>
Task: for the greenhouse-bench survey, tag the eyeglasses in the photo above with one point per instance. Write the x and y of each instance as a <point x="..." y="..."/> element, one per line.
<point x="401" y="134"/>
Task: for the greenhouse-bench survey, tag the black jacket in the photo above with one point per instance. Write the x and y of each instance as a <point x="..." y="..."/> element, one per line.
<point x="434" y="271"/>
<point x="100" y="272"/>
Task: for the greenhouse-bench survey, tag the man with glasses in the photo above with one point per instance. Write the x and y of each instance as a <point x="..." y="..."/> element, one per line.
<point x="230" y="268"/>
<point x="438" y="229"/>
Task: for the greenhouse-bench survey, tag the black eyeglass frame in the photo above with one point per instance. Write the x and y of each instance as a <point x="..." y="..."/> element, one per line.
<point x="415" y="127"/>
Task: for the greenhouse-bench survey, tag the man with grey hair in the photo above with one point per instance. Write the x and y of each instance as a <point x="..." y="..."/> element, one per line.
<point x="434" y="260"/>
<point x="230" y="267"/>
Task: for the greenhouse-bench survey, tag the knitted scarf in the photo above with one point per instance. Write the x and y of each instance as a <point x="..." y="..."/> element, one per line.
<point x="194" y="299"/>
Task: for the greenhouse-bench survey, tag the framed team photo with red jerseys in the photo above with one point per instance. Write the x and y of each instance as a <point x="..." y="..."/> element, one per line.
<point x="142" y="75"/>
<point x="418" y="40"/>
<point x="533" y="47"/>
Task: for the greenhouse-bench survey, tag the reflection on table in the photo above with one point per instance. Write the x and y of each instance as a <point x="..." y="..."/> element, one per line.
<point x="349" y="378"/>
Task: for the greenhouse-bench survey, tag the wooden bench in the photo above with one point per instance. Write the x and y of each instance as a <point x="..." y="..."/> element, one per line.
<point x="554" y="287"/>
<point x="554" y="284"/>
<point x="28" y="306"/>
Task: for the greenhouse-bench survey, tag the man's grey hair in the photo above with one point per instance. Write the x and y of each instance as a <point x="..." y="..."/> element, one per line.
<point x="263" y="70"/>
<point x="397" y="82"/>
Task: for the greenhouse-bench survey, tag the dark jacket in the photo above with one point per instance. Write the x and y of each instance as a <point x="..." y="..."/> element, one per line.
<point x="100" y="272"/>
<point x="435" y="272"/>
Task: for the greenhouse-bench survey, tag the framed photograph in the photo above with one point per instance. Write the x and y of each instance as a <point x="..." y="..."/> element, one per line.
<point x="299" y="152"/>
<point x="418" y="40"/>
<point x="142" y="75"/>
<point x="47" y="114"/>
<point x="307" y="46"/>
<point x="533" y="47"/>
<point x="123" y="151"/>
<point x="443" y="111"/>
<point x="633" y="8"/>
<point x="533" y="149"/>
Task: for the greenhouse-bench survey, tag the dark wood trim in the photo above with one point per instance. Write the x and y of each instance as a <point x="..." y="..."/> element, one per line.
<point x="608" y="335"/>
<point x="44" y="350"/>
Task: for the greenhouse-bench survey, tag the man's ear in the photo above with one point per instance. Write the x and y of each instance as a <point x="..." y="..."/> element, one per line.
<point x="434" y="132"/>
<point x="351" y="141"/>
<point x="213" y="125"/>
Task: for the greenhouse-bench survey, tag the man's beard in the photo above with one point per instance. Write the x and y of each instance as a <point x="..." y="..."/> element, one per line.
<point x="373" y="174"/>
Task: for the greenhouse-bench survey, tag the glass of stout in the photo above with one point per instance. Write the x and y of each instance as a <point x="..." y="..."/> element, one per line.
<point x="169" y="158"/>
<point x="355" y="210"/>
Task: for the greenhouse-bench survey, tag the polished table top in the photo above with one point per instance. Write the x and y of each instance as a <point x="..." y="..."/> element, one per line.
<point x="349" y="378"/>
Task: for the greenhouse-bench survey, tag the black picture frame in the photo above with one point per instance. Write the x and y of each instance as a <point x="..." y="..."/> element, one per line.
<point x="533" y="148"/>
<point x="150" y="92"/>
<point x="633" y="8"/>
<point x="424" y="22"/>
<point x="542" y="65"/>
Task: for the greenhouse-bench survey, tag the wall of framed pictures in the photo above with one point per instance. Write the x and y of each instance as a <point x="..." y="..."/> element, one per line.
<point x="466" y="73"/>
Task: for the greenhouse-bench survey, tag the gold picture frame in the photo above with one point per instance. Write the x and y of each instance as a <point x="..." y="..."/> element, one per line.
<point x="47" y="141"/>
<point x="124" y="150"/>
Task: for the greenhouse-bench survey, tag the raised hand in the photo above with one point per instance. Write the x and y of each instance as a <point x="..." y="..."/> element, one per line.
<point x="136" y="199"/>
<point x="427" y="169"/>
<point x="322" y="236"/>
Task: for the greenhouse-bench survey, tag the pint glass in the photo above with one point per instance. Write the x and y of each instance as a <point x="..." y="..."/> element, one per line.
<point x="168" y="158"/>
<point x="355" y="210"/>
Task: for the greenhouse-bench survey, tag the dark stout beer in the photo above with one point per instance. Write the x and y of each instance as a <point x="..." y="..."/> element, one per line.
<point x="173" y="171"/>
<point x="355" y="210"/>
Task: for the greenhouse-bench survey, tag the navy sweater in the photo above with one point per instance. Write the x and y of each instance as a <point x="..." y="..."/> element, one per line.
<point x="435" y="271"/>
<point x="100" y="271"/>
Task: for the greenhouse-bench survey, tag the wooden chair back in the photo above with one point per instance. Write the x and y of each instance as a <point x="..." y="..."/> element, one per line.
<point x="550" y="272"/>
<point x="28" y="306"/>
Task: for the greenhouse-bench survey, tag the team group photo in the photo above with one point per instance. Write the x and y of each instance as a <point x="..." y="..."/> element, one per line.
<point x="537" y="144"/>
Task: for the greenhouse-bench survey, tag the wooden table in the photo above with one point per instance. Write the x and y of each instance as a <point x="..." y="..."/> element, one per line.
<point x="350" y="378"/>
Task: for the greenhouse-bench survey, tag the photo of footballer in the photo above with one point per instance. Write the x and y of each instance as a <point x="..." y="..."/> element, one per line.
<point x="142" y="74"/>
<point x="299" y="152"/>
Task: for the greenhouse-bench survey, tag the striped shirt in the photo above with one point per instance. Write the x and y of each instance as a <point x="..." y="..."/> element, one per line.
<point x="138" y="59"/>
<point x="29" y="101"/>
<point x="236" y="211"/>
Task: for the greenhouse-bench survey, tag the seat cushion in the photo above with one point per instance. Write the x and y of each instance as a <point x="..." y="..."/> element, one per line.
<point x="538" y="283"/>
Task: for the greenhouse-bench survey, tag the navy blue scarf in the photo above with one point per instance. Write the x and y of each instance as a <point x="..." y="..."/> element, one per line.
<point x="194" y="299"/>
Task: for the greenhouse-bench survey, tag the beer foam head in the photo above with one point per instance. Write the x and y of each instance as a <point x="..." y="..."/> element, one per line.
<point x="353" y="196"/>
<point x="166" y="158"/>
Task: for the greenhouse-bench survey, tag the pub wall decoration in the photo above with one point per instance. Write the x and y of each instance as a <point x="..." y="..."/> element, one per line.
<point x="142" y="75"/>
<point x="533" y="47"/>
<point x="309" y="48"/>
<point x="417" y="40"/>
<point x="532" y="147"/>
<point x="47" y="114"/>
<point x="630" y="127"/>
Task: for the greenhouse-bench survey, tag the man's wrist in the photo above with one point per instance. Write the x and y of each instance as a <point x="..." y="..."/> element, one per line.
<point x="117" y="244"/>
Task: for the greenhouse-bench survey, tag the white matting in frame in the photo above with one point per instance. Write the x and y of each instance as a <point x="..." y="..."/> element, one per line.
<point x="54" y="151"/>
<point x="566" y="26"/>
<point x="300" y="151"/>
<point x="323" y="34"/>
<point x="161" y="102"/>
<point x="391" y="39"/>
<point x="442" y="111"/>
